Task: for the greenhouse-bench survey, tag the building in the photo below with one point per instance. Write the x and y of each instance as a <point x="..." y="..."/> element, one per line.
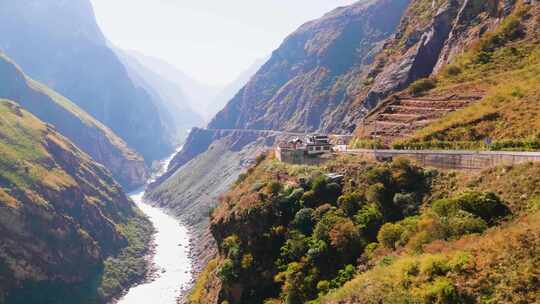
<point x="299" y="151"/>
<point x="318" y="144"/>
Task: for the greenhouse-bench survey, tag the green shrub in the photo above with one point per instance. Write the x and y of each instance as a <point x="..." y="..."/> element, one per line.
<point x="274" y="188"/>
<point x="349" y="203"/>
<point x="421" y="86"/>
<point x="303" y="220"/>
<point x="376" y="193"/>
<point x="369" y="220"/>
<point x="296" y="194"/>
<point x="434" y="265"/>
<point x="346" y="274"/>
<point x="226" y="271"/>
<point x="487" y="206"/>
<point x="465" y="223"/>
<point x="323" y="287"/>
<point x="317" y="249"/>
<point x="452" y="70"/>
<point x="441" y="291"/>
<point x="309" y="199"/>
<point x="295" y="247"/>
<point x="231" y="246"/>
<point x="390" y="234"/>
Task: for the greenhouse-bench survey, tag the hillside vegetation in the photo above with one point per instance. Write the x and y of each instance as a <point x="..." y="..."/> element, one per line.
<point x="67" y="51"/>
<point x="389" y="232"/>
<point x="503" y="66"/>
<point x="62" y="216"/>
<point x="85" y="131"/>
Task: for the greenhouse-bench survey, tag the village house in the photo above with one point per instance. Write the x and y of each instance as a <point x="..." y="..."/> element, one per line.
<point x="298" y="150"/>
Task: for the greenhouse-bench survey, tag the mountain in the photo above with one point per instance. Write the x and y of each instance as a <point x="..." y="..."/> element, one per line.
<point x="87" y="133"/>
<point x="389" y="232"/>
<point x="172" y="102"/>
<point x="395" y="232"/>
<point x="228" y="93"/>
<point x="480" y="90"/>
<point x="200" y="96"/>
<point x="282" y="94"/>
<point x="67" y="52"/>
<point x="308" y="82"/>
<point x="449" y="75"/>
<point x="304" y="80"/>
<point x="62" y="217"/>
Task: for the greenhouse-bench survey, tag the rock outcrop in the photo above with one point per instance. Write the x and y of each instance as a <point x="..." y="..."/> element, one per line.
<point x="430" y="35"/>
<point x="86" y="132"/>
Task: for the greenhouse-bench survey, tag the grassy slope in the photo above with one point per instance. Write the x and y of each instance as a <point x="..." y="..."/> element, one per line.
<point x="31" y="174"/>
<point x="505" y="65"/>
<point x="498" y="265"/>
<point x="77" y="112"/>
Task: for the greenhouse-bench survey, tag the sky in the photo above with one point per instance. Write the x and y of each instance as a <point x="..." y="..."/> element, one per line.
<point x="213" y="41"/>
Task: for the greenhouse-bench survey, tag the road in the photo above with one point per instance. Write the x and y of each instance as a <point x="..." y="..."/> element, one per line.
<point x="275" y="132"/>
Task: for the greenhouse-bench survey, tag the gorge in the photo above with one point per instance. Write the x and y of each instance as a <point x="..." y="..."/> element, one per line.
<point x="97" y="207"/>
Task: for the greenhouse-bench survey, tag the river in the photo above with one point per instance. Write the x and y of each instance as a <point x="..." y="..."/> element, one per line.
<point x="171" y="257"/>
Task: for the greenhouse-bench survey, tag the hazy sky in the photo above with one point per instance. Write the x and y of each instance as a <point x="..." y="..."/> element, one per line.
<point x="211" y="40"/>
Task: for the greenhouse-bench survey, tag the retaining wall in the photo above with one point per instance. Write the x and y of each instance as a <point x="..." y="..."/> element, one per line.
<point x="459" y="160"/>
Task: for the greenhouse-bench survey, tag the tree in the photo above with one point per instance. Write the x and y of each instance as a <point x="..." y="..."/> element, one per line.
<point x="369" y="220"/>
<point x="406" y="202"/>
<point x="349" y="203"/>
<point x="274" y="188"/>
<point x="226" y="272"/>
<point x="309" y="199"/>
<point x="344" y="237"/>
<point x="487" y="206"/>
<point x="303" y="220"/>
<point x="390" y="234"/>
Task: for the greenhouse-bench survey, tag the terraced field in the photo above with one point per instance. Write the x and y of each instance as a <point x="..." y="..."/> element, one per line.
<point x="400" y="116"/>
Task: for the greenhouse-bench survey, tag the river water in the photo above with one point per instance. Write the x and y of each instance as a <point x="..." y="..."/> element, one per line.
<point x="171" y="258"/>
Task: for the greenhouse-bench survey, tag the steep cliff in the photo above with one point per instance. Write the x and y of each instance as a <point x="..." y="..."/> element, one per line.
<point x="307" y="83"/>
<point x="61" y="216"/>
<point x="67" y="52"/>
<point x="483" y="81"/>
<point x="87" y="133"/>
<point x="465" y="71"/>
<point x="384" y="233"/>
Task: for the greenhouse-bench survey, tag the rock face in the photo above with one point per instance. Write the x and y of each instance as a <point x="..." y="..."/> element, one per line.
<point x="430" y="35"/>
<point x="192" y="186"/>
<point x="67" y="52"/>
<point x="59" y="210"/>
<point x="87" y="133"/>
<point x="307" y="83"/>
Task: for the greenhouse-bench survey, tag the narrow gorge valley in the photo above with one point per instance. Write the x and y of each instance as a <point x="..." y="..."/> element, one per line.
<point x="127" y="180"/>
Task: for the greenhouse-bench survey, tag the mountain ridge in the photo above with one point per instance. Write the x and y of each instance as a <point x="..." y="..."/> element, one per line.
<point x="80" y="65"/>
<point x="62" y="216"/>
<point x="90" y="135"/>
